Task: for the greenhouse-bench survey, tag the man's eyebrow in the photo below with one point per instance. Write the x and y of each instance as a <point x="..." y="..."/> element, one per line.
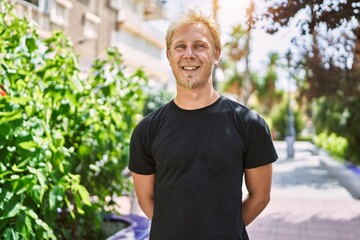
<point x="179" y="41"/>
<point x="201" y="41"/>
<point x="196" y="41"/>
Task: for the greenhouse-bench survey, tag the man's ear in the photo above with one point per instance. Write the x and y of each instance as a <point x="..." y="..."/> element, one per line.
<point x="168" y="54"/>
<point x="217" y="56"/>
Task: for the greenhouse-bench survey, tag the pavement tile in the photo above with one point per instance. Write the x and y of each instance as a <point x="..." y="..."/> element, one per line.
<point x="307" y="203"/>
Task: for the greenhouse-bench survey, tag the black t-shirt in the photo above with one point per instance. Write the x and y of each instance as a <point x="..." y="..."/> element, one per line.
<point x="198" y="157"/>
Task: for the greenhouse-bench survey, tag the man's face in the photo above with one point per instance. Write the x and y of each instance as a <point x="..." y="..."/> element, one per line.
<point x="192" y="55"/>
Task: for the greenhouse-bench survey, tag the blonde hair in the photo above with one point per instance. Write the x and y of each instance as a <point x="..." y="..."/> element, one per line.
<point x="190" y="16"/>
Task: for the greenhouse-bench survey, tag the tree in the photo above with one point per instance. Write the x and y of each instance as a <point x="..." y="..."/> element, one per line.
<point x="234" y="52"/>
<point x="331" y="13"/>
<point x="237" y="49"/>
<point x="334" y="50"/>
<point x="330" y="60"/>
<point x="247" y="78"/>
<point x="265" y="86"/>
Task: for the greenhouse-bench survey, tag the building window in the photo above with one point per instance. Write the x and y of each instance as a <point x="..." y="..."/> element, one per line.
<point x="34" y="2"/>
<point x="43" y="5"/>
<point x="60" y="12"/>
<point x="90" y="28"/>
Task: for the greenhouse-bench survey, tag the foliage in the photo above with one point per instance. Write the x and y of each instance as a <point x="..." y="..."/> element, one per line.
<point x="155" y="99"/>
<point x="331" y="116"/>
<point x="332" y="30"/>
<point x="236" y="49"/>
<point x="334" y="14"/>
<point x="234" y="83"/>
<point x="335" y="145"/>
<point x="279" y="116"/>
<point x="62" y="139"/>
<point x="265" y="86"/>
<point x="328" y="51"/>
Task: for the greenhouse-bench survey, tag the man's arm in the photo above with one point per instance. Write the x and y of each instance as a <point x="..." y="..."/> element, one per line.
<point x="144" y="188"/>
<point x="258" y="184"/>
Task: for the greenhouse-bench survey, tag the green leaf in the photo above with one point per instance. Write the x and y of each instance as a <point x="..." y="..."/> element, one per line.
<point x="10" y="116"/>
<point x="84" y="150"/>
<point x="117" y="118"/>
<point x="37" y="194"/>
<point x="39" y="174"/>
<point x="5" y="129"/>
<point x="11" y="234"/>
<point x="24" y="162"/>
<point x="20" y="84"/>
<point x="16" y="169"/>
<point x="78" y="204"/>
<point x="25" y="183"/>
<point x="84" y="194"/>
<point x="23" y="225"/>
<point x="5" y="196"/>
<point x="14" y="176"/>
<point x="69" y="207"/>
<point x="56" y="196"/>
<point x="23" y="100"/>
<point x="31" y="44"/>
<point x="29" y="110"/>
<point x="3" y="171"/>
<point x="10" y="209"/>
<point x="32" y="214"/>
<point x="30" y="145"/>
<point x="42" y="179"/>
<point x="94" y="167"/>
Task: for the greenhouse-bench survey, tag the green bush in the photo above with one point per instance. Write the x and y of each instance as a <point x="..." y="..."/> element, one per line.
<point x="279" y="116"/>
<point x="335" y="145"/>
<point x="341" y="118"/>
<point x="63" y="140"/>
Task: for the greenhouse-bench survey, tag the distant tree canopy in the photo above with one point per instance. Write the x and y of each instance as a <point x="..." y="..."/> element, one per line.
<point x="332" y="60"/>
<point x="332" y="13"/>
<point x="327" y="53"/>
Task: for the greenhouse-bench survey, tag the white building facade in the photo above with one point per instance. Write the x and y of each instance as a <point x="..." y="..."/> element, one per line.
<point x="94" y="25"/>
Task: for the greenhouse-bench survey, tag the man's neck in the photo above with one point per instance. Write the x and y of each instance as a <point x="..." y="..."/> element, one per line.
<point x="191" y="99"/>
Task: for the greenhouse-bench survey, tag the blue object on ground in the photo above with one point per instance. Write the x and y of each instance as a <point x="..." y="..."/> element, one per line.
<point x="353" y="168"/>
<point x="137" y="227"/>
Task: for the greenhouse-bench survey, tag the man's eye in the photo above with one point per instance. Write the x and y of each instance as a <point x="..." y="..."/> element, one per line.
<point x="180" y="46"/>
<point x="200" y="46"/>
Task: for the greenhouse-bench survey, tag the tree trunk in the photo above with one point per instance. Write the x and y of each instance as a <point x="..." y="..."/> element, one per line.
<point x="247" y="80"/>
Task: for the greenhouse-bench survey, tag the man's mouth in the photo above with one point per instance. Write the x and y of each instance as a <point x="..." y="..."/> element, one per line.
<point x="190" y="68"/>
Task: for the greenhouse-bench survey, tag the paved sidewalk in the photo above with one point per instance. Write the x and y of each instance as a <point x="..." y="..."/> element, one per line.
<point x="308" y="203"/>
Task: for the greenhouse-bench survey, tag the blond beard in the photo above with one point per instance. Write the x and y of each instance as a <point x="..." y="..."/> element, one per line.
<point x="190" y="84"/>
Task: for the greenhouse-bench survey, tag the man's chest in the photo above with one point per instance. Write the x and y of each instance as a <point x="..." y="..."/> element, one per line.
<point x="209" y="144"/>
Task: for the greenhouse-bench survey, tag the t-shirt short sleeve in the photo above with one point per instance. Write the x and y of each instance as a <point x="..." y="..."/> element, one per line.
<point x="141" y="161"/>
<point x="259" y="146"/>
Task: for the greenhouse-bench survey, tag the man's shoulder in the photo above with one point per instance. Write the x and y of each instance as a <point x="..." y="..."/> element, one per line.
<point x="156" y="115"/>
<point x="236" y="106"/>
<point x="241" y="112"/>
<point x="232" y="102"/>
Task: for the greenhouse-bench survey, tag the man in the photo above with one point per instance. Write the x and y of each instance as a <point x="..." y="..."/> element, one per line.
<point x="188" y="157"/>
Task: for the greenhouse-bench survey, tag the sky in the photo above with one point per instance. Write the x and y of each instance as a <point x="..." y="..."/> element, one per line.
<point x="231" y="13"/>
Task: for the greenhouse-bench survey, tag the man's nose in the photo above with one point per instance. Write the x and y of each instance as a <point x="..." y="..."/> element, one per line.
<point x="189" y="53"/>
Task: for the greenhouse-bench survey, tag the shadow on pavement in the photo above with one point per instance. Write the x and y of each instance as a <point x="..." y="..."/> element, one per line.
<point x="301" y="173"/>
<point x="281" y="227"/>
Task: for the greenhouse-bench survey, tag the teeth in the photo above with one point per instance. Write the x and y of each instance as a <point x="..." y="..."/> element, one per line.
<point x="189" y="68"/>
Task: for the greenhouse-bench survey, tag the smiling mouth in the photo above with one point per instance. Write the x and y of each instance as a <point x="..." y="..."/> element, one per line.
<point x="187" y="68"/>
